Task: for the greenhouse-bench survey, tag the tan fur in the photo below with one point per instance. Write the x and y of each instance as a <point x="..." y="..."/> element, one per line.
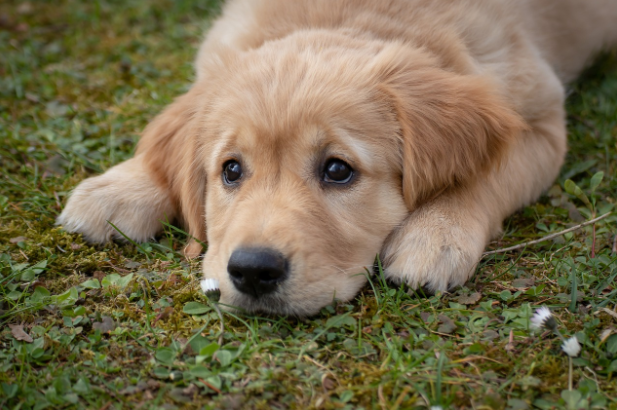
<point x="450" y="113"/>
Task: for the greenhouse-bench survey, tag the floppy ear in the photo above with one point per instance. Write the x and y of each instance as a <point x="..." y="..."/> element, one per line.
<point x="453" y="127"/>
<point x="171" y="151"/>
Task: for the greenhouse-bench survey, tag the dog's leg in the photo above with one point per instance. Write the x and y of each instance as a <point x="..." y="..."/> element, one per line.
<point x="162" y="182"/>
<point x="440" y="243"/>
<point x="125" y="196"/>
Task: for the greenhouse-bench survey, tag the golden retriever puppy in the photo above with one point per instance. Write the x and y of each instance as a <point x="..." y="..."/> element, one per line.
<point x="320" y="133"/>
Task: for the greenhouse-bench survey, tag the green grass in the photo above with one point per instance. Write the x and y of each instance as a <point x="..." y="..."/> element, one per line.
<point x="120" y="327"/>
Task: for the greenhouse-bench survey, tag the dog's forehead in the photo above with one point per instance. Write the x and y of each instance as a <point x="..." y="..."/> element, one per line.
<point x="308" y="142"/>
<point x="280" y="92"/>
<point x="300" y="110"/>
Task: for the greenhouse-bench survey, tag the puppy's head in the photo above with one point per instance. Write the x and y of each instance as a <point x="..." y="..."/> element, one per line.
<point x="307" y="153"/>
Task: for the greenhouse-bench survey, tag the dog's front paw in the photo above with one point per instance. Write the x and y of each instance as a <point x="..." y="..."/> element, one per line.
<point x="435" y="248"/>
<point x="124" y="196"/>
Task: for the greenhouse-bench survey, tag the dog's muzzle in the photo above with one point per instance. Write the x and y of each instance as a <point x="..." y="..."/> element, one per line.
<point x="257" y="271"/>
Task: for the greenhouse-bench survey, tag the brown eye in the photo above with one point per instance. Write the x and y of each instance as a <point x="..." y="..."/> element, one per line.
<point x="232" y="172"/>
<point x="337" y="171"/>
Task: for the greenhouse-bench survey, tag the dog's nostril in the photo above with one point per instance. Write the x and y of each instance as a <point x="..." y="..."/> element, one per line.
<point x="235" y="274"/>
<point x="271" y="275"/>
<point x="257" y="271"/>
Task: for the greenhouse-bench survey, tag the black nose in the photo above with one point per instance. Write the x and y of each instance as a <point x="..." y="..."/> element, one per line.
<point x="257" y="271"/>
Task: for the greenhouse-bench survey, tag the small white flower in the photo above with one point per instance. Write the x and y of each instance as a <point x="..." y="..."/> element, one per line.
<point x="436" y="408"/>
<point x="543" y="318"/>
<point x="571" y="347"/>
<point x="209" y="285"/>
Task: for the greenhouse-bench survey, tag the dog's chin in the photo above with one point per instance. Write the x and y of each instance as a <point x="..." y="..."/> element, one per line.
<point x="294" y="301"/>
<point x="272" y="304"/>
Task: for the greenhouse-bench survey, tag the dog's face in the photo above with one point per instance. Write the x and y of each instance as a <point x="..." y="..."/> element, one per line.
<point x="303" y="184"/>
<point x="296" y="217"/>
<point x="308" y="167"/>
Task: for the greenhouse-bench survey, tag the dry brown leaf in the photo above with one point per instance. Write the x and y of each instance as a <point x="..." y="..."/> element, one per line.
<point x="99" y="275"/>
<point x="522" y="283"/>
<point x="18" y="333"/>
<point x="32" y="97"/>
<point x="25" y="8"/>
<point x="447" y="325"/>
<point x="164" y="314"/>
<point x="327" y="383"/>
<point x="190" y="391"/>
<point x="489" y="334"/>
<point x="130" y="264"/>
<point x="511" y="346"/>
<point x="105" y="325"/>
<point x="469" y="299"/>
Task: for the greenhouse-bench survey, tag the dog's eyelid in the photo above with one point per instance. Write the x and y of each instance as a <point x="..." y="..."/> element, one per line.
<point x="340" y="156"/>
<point x="229" y="156"/>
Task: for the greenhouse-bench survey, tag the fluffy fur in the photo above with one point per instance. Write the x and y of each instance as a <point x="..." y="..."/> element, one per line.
<point x="450" y="113"/>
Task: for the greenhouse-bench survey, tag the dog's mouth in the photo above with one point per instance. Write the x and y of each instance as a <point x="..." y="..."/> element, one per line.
<point x="272" y="303"/>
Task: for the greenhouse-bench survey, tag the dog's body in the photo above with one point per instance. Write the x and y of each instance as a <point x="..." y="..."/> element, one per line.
<point x="444" y="117"/>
